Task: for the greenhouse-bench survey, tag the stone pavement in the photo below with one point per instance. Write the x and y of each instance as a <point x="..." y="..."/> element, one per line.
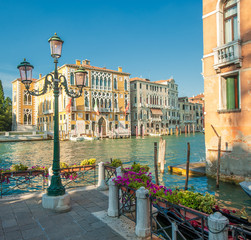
<point x="23" y="217"/>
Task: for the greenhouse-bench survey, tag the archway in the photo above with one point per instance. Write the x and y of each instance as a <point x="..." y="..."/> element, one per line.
<point x="157" y="128"/>
<point x="102" y="127"/>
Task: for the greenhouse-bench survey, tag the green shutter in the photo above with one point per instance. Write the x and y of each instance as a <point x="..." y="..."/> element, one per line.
<point x="230" y="93"/>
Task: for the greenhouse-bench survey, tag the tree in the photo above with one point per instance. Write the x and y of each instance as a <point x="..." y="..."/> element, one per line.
<point x="5" y="111"/>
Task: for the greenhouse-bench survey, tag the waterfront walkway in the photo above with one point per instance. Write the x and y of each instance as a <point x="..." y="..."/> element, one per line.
<point x="23" y="217"/>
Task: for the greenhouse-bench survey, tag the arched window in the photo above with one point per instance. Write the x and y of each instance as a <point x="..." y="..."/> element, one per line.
<point x="105" y="82"/>
<point x="109" y="83"/>
<point x="96" y="81"/>
<point x="116" y="103"/>
<point x="27" y="117"/>
<point x="115" y="83"/>
<point x="93" y="102"/>
<point x="101" y="103"/>
<point x="72" y="78"/>
<point x="98" y="103"/>
<point x="27" y="98"/>
<point x="105" y="103"/>
<point x="125" y="85"/>
<point x="101" y="82"/>
<point x="110" y="103"/>
<point x="86" y="83"/>
<point x="230" y="21"/>
<point x="93" y="81"/>
<point x="86" y="102"/>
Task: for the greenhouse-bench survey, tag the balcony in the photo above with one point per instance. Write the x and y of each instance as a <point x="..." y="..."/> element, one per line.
<point x="227" y="54"/>
<point x="105" y="110"/>
<point x="154" y="119"/>
<point x="48" y="112"/>
<point x="87" y="109"/>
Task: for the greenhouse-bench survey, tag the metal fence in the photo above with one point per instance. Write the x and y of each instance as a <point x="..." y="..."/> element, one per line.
<point x="127" y="202"/>
<point x="170" y="221"/>
<point x="21" y="181"/>
<point x="110" y="172"/>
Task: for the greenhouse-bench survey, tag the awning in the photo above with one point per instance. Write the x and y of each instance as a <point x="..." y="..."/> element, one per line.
<point x="156" y="111"/>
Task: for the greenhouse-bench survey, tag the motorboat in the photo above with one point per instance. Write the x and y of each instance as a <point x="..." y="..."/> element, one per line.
<point x="246" y="186"/>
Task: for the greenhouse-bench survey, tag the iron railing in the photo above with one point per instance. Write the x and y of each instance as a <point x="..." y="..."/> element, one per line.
<point x="16" y="182"/>
<point x="78" y="176"/>
<point x="110" y="172"/>
<point x="171" y="221"/>
<point x="127" y="202"/>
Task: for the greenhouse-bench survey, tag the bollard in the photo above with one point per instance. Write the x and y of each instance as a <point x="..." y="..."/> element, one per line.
<point x="101" y="177"/>
<point x="119" y="172"/>
<point x="142" y="228"/>
<point x="7" y="134"/>
<point x="113" y="210"/>
<point x="50" y="172"/>
<point x="217" y="226"/>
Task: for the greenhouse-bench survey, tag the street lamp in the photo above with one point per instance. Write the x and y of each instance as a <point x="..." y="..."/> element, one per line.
<point x="55" y="82"/>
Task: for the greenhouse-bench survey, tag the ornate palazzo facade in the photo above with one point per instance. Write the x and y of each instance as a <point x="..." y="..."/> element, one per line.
<point x="100" y="111"/>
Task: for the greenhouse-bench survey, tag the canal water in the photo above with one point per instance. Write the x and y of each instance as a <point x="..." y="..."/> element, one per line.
<point x="129" y="150"/>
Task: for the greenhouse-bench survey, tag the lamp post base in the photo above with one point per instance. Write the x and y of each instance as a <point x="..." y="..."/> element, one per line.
<point x="60" y="203"/>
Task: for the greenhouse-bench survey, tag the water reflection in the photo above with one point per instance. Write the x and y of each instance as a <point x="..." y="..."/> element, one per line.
<point x="128" y="150"/>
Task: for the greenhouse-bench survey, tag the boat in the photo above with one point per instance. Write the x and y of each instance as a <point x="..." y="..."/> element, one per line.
<point x="246" y="186"/>
<point x="82" y="138"/>
<point x="154" y="134"/>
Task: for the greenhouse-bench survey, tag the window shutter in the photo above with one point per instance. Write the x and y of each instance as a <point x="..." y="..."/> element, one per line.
<point x="230" y="93"/>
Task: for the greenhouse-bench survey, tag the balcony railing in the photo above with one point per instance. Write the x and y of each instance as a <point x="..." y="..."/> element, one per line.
<point x="48" y="111"/>
<point x="227" y="54"/>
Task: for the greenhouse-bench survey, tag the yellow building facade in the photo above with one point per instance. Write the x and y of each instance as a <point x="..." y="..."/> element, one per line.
<point x="227" y="85"/>
<point x="23" y="107"/>
<point x="100" y="111"/>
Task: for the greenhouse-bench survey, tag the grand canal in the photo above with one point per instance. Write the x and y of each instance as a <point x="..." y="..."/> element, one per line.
<point x="128" y="150"/>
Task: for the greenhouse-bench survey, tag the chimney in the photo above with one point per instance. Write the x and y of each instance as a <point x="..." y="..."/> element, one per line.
<point x="119" y="69"/>
<point x="86" y="62"/>
<point x="78" y="62"/>
<point x="40" y="75"/>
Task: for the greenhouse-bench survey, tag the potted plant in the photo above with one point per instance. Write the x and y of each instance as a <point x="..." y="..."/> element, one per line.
<point x="113" y="164"/>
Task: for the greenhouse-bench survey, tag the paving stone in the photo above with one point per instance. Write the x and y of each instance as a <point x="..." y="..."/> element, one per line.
<point x="11" y="229"/>
<point x="32" y="232"/>
<point x="15" y="235"/>
<point x="9" y="223"/>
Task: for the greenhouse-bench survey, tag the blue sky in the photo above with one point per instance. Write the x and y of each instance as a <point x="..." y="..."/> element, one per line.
<point x="152" y="39"/>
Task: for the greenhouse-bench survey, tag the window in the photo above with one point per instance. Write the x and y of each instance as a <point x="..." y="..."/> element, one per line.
<point x="115" y="83"/>
<point x="14" y="97"/>
<point x="125" y="85"/>
<point x="93" y="81"/>
<point x="86" y="127"/>
<point x="140" y="85"/>
<point x="146" y="86"/>
<point x="101" y="82"/>
<point x="135" y="116"/>
<point x="135" y="99"/>
<point x="230" y="21"/>
<point x="116" y="117"/>
<point x="105" y="82"/>
<point x="64" y="117"/>
<point x="60" y="117"/>
<point x="27" y="98"/>
<point x="97" y="81"/>
<point x="72" y="78"/>
<point x="116" y="126"/>
<point x="109" y="83"/>
<point x="72" y="117"/>
<point x="110" y="126"/>
<point x="127" y="117"/>
<point x="86" y="82"/>
<point x="86" y="116"/>
<point x="86" y="102"/>
<point x="27" y="117"/>
<point x="72" y="127"/>
<point x="135" y="86"/>
<point x="230" y="93"/>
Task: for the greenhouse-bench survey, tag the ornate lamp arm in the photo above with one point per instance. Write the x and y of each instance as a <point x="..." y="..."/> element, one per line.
<point x="47" y="83"/>
<point x="70" y="92"/>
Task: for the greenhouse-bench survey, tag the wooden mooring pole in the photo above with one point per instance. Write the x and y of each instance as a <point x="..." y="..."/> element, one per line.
<point x="218" y="160"/>
<point x="187" y="166"/>
<point x="156" y="163"/>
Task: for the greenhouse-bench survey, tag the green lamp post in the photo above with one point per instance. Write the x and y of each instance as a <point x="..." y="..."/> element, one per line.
<point x="56" y="82"/>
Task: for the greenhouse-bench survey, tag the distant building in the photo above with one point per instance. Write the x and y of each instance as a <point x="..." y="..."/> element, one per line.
<point x="190" y="115"/>
<point x="154" y="106"/>
<point x="107" y="89"/>
<point x="23" y="107"/>
<point x="227" y="73"/>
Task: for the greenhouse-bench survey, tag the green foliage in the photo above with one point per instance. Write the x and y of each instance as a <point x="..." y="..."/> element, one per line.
<point x="115" y="163"/>
<point x="136" y="167"/>
<point x="64" y="165"/>
<point x="91" y="161"/>
<point x="194" y="200"/>
<point x="5" y="111"/>
<point x="18" y="167"/>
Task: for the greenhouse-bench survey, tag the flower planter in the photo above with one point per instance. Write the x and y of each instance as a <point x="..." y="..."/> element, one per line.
<point x="128" y="190"/>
